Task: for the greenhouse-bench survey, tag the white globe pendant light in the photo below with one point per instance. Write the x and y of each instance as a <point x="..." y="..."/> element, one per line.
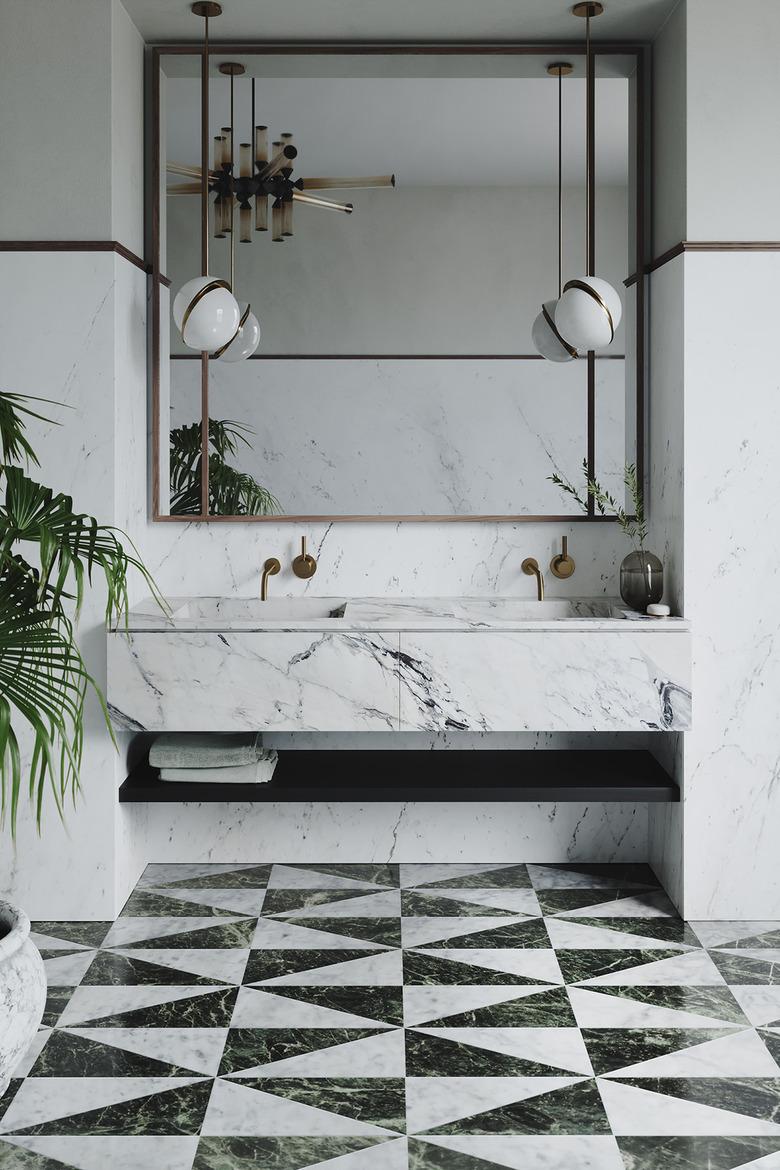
<point x="244" y="341"/>
<point x="545" y="335"/>
<point x="206" y="313"/>
<point x="589" y="309"/>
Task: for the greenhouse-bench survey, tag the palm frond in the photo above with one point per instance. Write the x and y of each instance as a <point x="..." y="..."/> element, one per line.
<point x="231" y="492"/>
<point x="14" y="444"/>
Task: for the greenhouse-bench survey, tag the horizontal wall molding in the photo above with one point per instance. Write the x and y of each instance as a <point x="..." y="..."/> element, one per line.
<point x="80" y="246"/>
<point x="704" y="246"/>
<point x="398" y="357"/>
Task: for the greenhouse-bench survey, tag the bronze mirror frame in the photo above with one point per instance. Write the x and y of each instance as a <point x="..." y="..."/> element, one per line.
<point x="638" y="279"/>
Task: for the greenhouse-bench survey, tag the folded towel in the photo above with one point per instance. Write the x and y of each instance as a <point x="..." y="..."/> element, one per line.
<point x="260" y="772"/>
<point x="204" y="750"/>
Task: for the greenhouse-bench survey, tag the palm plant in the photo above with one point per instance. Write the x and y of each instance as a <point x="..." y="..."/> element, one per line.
<point x="43" y="678"/>
<point x="231" y="492"/>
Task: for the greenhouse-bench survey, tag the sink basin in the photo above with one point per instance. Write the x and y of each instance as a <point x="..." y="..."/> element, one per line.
<point x="251" y="609"/>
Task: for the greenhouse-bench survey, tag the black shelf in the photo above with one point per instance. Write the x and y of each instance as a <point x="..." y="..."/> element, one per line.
<point x="369" y="777"/>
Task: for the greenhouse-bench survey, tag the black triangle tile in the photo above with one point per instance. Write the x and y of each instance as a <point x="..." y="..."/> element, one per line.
<point x="386" y="931"/>
<point x="228" y="936"/>
<point x="611" y="1049"/>
<point x="212" y="1009"/>
<point x="418" y="905"/>
<point x="173" y="1111"/>
<point x="738" y="969"/>
<point x="558" y="901"/>
<point x="108" y="968"/>
<point x="714" y="1002"/>
<point x="513" y="877"/>
<point x="255" y="878"/>
<point x="772" y="1041"/>
<point x="694" y="1153"/>
<point x="672" y="930"/>
<point x="59" y="953"/>
<point x="383" y="1004"/>
<point x="423" y="1156"/>
<point x="574" y="1109"/>
<point x="273" y="964"/>
<point x="373" y="1100"/>
<point x="143" y="904"/>
<point x="88" y="934"/>
<point x="68" y="1055"/>
<point x="14" y="1085"/>
<point x="430" y="969"/>
<point x="769" y="939"/>
<point x="247" y="1047"/>
<point x="637" y="873"/>
<point x="579" y="965"/>
<point x="283" y="901"/>
<point x="57" y="999"/>
<point x="275" y="1153"/>
<point x="13" y="1157"/>
<point x="544" y="1009"/>
<point x="532" y="933"/>
<point x="435" y="1056"/>
<point x="756" y="1097"/>
<point x="378" y="874"/>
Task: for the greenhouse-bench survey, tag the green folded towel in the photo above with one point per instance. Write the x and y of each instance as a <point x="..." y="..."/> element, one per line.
<point x="205" y="749"/>
<point x="260" y="772"/>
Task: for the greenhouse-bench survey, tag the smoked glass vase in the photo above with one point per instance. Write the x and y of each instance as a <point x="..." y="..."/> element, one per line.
<point x="641" y="580"/>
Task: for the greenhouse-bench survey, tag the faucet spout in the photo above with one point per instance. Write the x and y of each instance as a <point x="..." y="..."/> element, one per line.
<point x="530" y="567"/>
<point x="270" y="569"/>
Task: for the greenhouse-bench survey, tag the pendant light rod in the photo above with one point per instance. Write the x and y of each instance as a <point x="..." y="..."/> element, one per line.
<point x="207" y="9"/>
<point x="588" y="10"/>
<point x="232" y="201"/>
<point x="560" y="69"/>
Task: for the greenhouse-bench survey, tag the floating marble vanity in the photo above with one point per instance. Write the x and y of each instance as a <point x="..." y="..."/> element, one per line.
<point x="376" y="664"/>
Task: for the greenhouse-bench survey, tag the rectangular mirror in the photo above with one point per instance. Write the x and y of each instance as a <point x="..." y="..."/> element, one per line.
<point x="395" y="376"/>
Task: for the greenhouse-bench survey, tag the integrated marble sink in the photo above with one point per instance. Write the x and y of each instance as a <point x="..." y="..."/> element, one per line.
<point x="401" y="664"/>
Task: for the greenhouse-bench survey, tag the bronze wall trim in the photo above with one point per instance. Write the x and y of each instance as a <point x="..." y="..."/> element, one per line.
<point x="399" y="357"/>
<point x="314" y="518"/>
<point x="705" y="246"/>
<point x="80" y="246"/>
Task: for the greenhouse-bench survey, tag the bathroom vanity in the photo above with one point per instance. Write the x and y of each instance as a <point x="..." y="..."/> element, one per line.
<point x="382" y="664"/>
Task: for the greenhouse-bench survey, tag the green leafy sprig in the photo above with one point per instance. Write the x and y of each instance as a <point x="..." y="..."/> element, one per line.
<point x="634" y="525"/>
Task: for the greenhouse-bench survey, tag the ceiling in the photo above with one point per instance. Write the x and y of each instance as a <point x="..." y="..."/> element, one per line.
<point x="424" y="20"/>
<point x="487" y="132"/>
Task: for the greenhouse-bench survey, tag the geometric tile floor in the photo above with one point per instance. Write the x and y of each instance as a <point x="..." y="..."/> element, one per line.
<point x="412" y="1017"/>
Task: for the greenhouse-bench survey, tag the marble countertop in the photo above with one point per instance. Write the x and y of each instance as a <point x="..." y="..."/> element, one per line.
<point x="387" y="614"/>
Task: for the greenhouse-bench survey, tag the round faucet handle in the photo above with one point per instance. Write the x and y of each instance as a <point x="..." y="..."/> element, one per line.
<point x="304" y="565"/>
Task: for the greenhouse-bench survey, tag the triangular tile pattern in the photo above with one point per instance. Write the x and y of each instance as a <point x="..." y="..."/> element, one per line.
<point x="421" y="1016"/>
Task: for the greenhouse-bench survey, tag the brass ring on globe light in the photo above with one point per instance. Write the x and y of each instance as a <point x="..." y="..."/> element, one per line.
<point x="569" y="349"/>
<point x="583" y="286"/>
<point x="242" y="322"/>
<point x="199" y="295"/>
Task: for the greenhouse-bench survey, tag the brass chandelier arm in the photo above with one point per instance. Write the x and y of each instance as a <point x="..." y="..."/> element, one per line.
<point x="187" y="172"/>
<point x="326" y="184"/>
<point x="278" y="163"/>
<point x="184" y="189"/>
<point x="329" y="204"/>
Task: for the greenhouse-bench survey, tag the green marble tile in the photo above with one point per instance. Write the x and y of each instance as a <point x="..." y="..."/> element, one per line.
<point x="174" y="1111"/>
<point x="143" y="904"/>
<point x="88" y="934"/>
<point x="68" y="1055"/>
<point x="665" y="929"/>
<point x="419" y="905"/>
<point x="284" y="1153"/>
<point x="433" y="1056"/>
<point x="430" y="969"/>
<point x="529" y="934"/>
<point x="283" y="901"/>
<point x="17" y="1158"/>
<point x="754" y="942"/>
<point x="383" y="1004"/>
<point x="772" y="1041"/>
<point x="255" y="878"/>
<point x="611" y="1049"/>
<point x="109" y="969"/>
<point x="14" y="1085"/>
<point x="715" y="1002"/>
<point x="273" y="964"/>
<point x="738" y="969"/>
<point x="423" y="1156"/>
<point x="377" y="874"/>
<point x="229" y="936"/>
<point x="514" y="877"/>
<point x="213" y="1009"/>
<point x="57" y="999"/>
<point x="756" y="1097"/>
<point x="637" y="873"/>
<point x="247" y="1047"/>
<point x="575" y="1109"/>
<point x="386" y="931"/>
<point x="545" y="1009"/>
<point x="560" y="901"/>
<point x="579" y="965"/>
<point x="57" y="953"/>
<point x="694" y="1153"/>
<point x="374" y="1100"/>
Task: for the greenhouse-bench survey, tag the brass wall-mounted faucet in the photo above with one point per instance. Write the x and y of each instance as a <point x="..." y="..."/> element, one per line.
<point x="270" y="569"/>
<point x="562" y="565"/>
<point x="305" y="565"/>
<point x="530" y="567"/>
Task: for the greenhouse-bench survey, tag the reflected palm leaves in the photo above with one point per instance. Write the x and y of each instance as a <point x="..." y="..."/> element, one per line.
<point x="231" y="492"/>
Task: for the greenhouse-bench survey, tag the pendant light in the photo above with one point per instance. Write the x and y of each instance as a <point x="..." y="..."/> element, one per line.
<point x="204" y="309"/>
<point x="589" y="310"/>
<point x="544" y="334"/>
<point x="246" y="338"/>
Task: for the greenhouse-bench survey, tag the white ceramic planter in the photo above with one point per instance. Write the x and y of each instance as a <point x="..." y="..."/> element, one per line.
<point x="22" y="989"/>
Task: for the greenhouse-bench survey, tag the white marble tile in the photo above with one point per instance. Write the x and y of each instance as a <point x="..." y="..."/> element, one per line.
<point x="561" y="1048"/>
<point x="419" y="932"/>
<point x="566" y="935"/>
<point x="382" y="1055"/>
<point x="42" y="1099"/>
<point x="540" y="965"/>
<point x="238" y="1111"/>
<point x="592" y="1010"/>
<point x="741" y="1054"/>
<point x="118" y="1152"/>
<point x="638" y="1111"/>
<point x="693" y="969"/>
<point x="258" y="1008"/>
<point x="197" y="1049"/>
<point x="435" y="1101"/>
<point x="383" y="969"/>
<point x="423" y="1004"/>
<point x="551" y="1152"/>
